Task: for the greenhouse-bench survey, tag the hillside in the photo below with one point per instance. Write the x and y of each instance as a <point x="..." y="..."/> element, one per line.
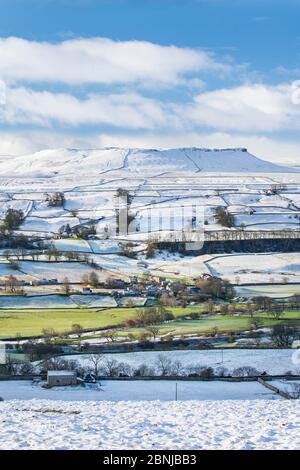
<point x="141" y="162"/>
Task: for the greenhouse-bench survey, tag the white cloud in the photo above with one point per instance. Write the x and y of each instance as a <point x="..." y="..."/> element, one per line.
<point x="248" y="108"/>
<point x="100" y="60"/>
<point x="126" y="110"/>
<point x="246" y="116"/>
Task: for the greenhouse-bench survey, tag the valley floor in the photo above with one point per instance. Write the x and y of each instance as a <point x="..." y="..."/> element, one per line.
<point x="263" y="424"/>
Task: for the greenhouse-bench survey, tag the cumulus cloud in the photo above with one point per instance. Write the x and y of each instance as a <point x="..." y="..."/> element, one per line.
<point x="254" y="107"/>
<point x="100" y="60"/>
<point x="248" y="108"/>
<point x="99" y="83"/>
<point x="125" y="110"/>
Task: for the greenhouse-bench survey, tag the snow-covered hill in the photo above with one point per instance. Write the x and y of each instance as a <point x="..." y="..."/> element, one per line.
<point x="143" y="162"/>
<point x="158" y="180"/>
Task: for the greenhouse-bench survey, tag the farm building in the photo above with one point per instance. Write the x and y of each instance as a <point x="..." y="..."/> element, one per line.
<point x="59" y="378"/>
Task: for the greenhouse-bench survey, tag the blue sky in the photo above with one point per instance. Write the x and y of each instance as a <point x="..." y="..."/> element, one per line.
<point x="150" y="73"/>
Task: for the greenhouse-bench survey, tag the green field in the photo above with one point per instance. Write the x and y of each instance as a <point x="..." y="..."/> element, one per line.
<point x="224" y="324"/>
<point x="30" y="323"/>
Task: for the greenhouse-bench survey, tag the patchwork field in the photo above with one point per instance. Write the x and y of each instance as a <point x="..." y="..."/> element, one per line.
<point x="244" y="186"/>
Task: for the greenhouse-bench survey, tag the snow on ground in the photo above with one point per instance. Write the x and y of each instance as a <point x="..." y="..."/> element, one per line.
<point x="288" y="220"/>
<point x="273" y="361"/>
<point x="262" y="424"/>
<point x="104" y="246"/>
<point x="56" y="301"/>
<point x="186" y="267"/>
<point x="120" y="264"/>
<point x="72" y="245"/>
<point x="275" y="291"/>
<point x="44" y="301"/>
<point x="43" y="210"/>
<point x="7" y="270"/>
<point x="50" y="163"/>
<point x="52" y="224"/>
<point x="16" y="205"/>
<point x="161" y="180"/>
<point x="96" y="201"/>
<point x="94" y="300"/>
<point x="256" y="268"/>
<point x="139" y="390"/>
<point x="46" y="270"/>
<point x="289" y="386"/>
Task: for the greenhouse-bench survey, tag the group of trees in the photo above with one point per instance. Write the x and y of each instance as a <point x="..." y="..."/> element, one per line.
<point x="150" y="316"/>
<point x="90" y="279"/>
<point x="127" y="249"/>
<point x="52" y="254"/>
<point x="11" y="221"/>
<point x="163" y="366"/>
<point x="99" y="365"/>
<point x="55" y="200"/>
<point x="13" y="285"/>
<point x="283" y="335"/>
<point x="84" y="231"/>
<point x="216" y="287"/>
<point x="80" y="231"/>
<point x="224" y="217"/>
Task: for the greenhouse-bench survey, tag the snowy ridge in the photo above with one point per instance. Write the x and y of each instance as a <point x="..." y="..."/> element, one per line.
<point x="146" y="162"/>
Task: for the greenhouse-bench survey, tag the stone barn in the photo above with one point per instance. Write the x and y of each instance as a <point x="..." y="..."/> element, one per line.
<point x="60" y="378"/>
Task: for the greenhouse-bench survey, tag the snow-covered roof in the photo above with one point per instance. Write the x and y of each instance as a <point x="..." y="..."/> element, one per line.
<point x="52" y="373"/>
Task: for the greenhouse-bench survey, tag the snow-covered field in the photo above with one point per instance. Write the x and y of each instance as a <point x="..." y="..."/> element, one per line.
<point x="289" y="386"/>
<point x="166" y="186"/>
<point x="45" y="270"/>
<point x="274" y="291"/>
<point x="273" y="361"/>
<point x="261" y="424"/>
<point x="56" y="301"/>
<point x="158" y="179"/>
<point x="256" y="268"/>
<point x="139" y="390"/>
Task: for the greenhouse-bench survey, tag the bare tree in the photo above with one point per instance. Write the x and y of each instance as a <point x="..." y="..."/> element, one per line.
<point x="163" y="364"/>
<point x="110" y="335"/>
<point x="66" y="287"/>
<point x="154" y="331"/>
<point x="95" y="360"/>
<point x="111" y="367"/>
<point x="245" y="371"/>
<point x="284" y="335"/>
